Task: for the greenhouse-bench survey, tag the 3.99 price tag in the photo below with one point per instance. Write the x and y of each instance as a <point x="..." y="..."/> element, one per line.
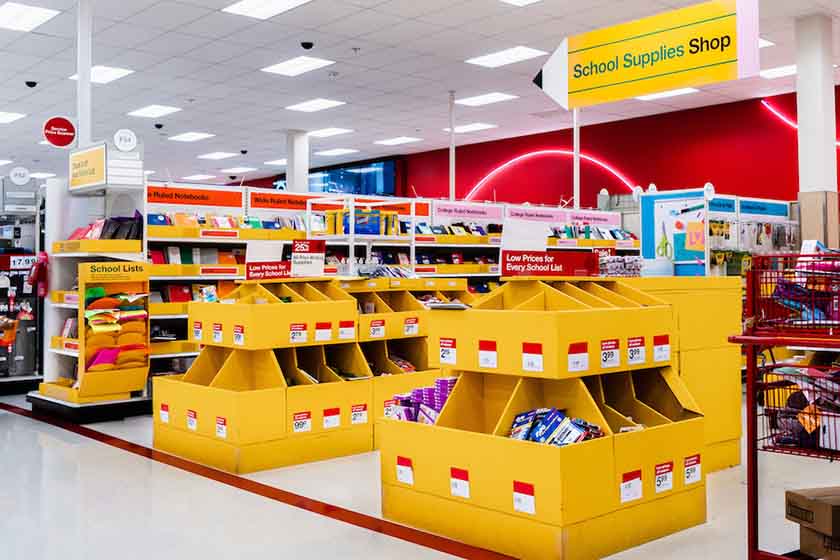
<point x="377" y="328"/>
<point x="610" y="354"/>
<point x="636" y="351"/>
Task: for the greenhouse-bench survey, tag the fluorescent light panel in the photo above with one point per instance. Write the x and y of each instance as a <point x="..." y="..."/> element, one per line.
<point x="105" y="74"/>
<point x="472" y="127"/>
<point x="239" y="169"/>
<point x="314" y="105"/>
<point x="276" y="162"/>
<point x="217" y="155"/>
<point x="42" y="175"/>
<point x="263" y="9"/>
<point x="336" y="152"/>
<point x="199" y="177"/>
<point x="507" y="56"/>
<point x="398" y="140"/>
<point x="666" y="94"/>
<point x="764" y="43"/>
<point x="327" y="132"/>
<point x="20" y="17"/>
<point x="149" y="172"/>
<point x="154" y="111"/>
<point x="6" y="118"/>
<point x="298" y="65"/>
<point x="5" y="162"/>
<point x="520" y="3"/>
<point x="486" y="99"/>
<point x="778" y="72"/>
<point x="191" y="137"/>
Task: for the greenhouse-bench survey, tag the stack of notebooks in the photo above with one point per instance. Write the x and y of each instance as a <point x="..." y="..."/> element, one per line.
<point x="586" y="231"/>
<point x="208" y="292"/>
<point x="458" y="229"/>
<point x="196" y="255"/>
<point x="118" y="227"/>
<point x="183" y="219"/>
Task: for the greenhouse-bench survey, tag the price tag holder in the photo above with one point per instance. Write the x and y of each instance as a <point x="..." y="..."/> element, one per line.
<point x="488" y="356"/>
<point x="448" y="351"/>
<point x="298" y="334"/>
<point x="664" y="480"/>
<point x="631" y="486"/>
<point x="217" y="333"/>
<point x="578" y="356"/>
<point x="693" y="470"/>
<point x="388" y="408"/>
<point x="411" y="326"/>
<point x="636" y="351"/>
<point x="347" y="330"/>
<point x="662" y="348"/>
<point x="332" y="418"/>
<point x="610" y="354"/>
<point x="198" y="331"/>
<point x="323" y="332"/>
<point x="302" y="422"/>
<point x="405" y="471"/>
<point x="459" y="483"/>
<point x="239" y="335"/>
<point x="359" y="414"/>
<point x="377" y="328"/>
<point x="221" y="427"/>
<point x="164" y="413"/>
<point x="532" y="357"/>
<point x="523" y="498"/>
<point x="192" y="420"/>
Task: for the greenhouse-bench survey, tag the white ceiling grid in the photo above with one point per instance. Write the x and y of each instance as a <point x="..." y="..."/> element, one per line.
<point x="396" y="60"/>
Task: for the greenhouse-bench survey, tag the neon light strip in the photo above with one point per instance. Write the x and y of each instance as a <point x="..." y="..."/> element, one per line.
<point x="565" y="153"/>
<point x="782" y="117"/>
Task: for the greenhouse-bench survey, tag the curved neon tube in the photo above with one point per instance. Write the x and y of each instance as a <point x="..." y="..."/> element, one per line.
<point x="565" y="153"/>
<point x="784" y="118"/>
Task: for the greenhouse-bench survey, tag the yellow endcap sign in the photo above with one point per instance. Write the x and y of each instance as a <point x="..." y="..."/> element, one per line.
<point x="693" y="46"/>
<point x="87" y="167"/>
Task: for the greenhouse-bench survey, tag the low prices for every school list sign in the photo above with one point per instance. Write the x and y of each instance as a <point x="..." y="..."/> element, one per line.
<point x="549" y="263"/>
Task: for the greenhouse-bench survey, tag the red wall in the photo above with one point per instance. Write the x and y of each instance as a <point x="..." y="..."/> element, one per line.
<point x="741" y="148"/>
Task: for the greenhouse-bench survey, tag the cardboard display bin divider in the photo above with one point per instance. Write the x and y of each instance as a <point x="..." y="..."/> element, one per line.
<point x="347" y="358"/>
<point x="313" y="361"/>
<point x="376" y="353"/>
<point x="477" y="402"/>
<point x="415" y="350"/>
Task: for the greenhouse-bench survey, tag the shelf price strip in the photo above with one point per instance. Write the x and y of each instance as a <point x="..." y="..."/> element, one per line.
<point x="459" y="483"/>
<point x="636" y="351"/>
<point x="523" y="498"/>
<point x="664" y="477"/>
<point x="532" y="357"/>
<point x="323" y="332"/>
<point x="488" y="356"/>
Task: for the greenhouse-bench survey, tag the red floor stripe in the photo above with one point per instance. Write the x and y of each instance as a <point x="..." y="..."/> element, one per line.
<point x="428" y="540"/>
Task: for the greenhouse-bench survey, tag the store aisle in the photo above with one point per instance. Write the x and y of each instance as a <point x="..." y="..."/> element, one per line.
<point x="66" y="496"/>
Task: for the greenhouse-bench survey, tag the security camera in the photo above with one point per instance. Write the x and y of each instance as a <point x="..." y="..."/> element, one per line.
<point x="307" y="45"/>
<point x="158" y="126"/>
<point x="31" y="83"/>
<point x="243" y="152"/>
<point x="232" y="177"/>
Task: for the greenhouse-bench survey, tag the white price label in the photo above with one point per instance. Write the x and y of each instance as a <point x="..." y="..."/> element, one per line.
<point x="459" y="483"/>
<point x="302" y="422"/>
<point x="664" y="480"/>
<point x="523" y="498"/>
<point x="358" y="414"/>
<point x="347" y="330"/>
<point x="21" y="262"/>
<point x="610" y="354"/>
<point x="661" y="348"/>
<point x="221" y="427"/>
<point x="164" y="413"/>
<point x="298" y="334"/>
<point x="405" y="471"/>
<point x="631" y="487"/>
<point x="411" y="327"/>
<point x="332" y="418"/>
<point x="532" y="357"/>
<point x="636" y="350"/>
<point x="488" y="357"/>
<point x="192" y="420"/>
<point x="217" y="333"/>
<point x="693" y="470"/>
<point x="578" y="356"/>
<point x="448" y="351"/>
<point x="377" y="328"/>
<point x="389" y="408"/>
<point x="239" y="335"/>
<point x="198" y="331"/>
<point x="323" y="332"/>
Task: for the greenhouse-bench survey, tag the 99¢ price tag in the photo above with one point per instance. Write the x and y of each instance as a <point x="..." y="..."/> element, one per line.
<point x="610" y="354"/>
<point x="448" y="351"/>
<point x="302" y="422"/>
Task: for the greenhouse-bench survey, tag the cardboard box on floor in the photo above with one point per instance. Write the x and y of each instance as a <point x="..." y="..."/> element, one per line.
<point x="818" y="545"/>
<point x="817" y="509"/>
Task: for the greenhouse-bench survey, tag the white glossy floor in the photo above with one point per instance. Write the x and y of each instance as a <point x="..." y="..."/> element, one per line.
<point x="66" y="496"/>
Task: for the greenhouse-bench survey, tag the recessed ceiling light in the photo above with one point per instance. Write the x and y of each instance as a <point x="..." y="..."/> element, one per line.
<point x="398" y="140"/>
<point x="42" y="175"/>
<point x="315" y="105"/>
<point x="105" y="74"/>
<point x="20" y="17"/>
<point x="5" y="162"/>
<point x="486" y="99"/>
<point x="217" y="155"/>
<point x="276" y="162"/>
<point x="297" y="66"/>
<point x="473" y="127"/>
<point x="520" y="3"/>
<point x="191" y="137"/>
<point x="764" y="43"/>
<point x="198" y="177"/>
<point x="336" y="152"/>
<point x="6" y="118"/>
<point x="149" y="172"/>
<point x="263" y="9"/>
<point x="666" y="94"/>
<point x="327" y="132"/>
<point x="507" y="56"/>
<point x="778" y="72"/>
<point x="239" y="169"/>
<point x="154" y="111"/>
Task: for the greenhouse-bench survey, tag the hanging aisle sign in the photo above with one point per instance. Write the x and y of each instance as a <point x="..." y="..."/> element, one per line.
<point x="88" y="167"/>
<point x="702" y="44"/>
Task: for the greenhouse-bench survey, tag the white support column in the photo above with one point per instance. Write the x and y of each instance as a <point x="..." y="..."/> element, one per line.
<point x="576" y="156"/>
<point x="817" y="128"/>
<point x="297" y="161"/>
<point x="84" y="61"/>
<point x="451" y="145"/>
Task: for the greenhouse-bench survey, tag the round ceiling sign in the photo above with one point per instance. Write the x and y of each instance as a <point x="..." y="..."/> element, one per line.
<point x="60" y="132"/>
<point x="19" y="176"/>
<point x="125" y="140"/>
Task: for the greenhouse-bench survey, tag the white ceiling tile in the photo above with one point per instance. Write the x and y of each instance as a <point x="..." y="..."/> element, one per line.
<point x="121" y="9"/>
<point x="361" y="23"/>
<point x="126" y="35"/>
<point x="218" y="24"/>
<point x="40" y="45"/>
<point x="173" y="44"/>
<point x="218" y="51"/>
<point x="168" y="15"/>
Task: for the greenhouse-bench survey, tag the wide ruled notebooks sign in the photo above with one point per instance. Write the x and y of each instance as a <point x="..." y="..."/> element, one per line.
<point x="88" y="167"/>
<point x="697" y="45"/>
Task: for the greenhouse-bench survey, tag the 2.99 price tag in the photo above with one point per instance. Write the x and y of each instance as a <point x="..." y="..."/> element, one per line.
<point x="358" y="414"/>
<point x="297" y="333"/>
<point x="448" y="351"/>
<point x="411" y="326"/>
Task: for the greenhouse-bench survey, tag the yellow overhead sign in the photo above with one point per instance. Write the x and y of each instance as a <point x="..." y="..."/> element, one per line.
<point x="693" y="46"/>
<point x="87" y="167"/>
